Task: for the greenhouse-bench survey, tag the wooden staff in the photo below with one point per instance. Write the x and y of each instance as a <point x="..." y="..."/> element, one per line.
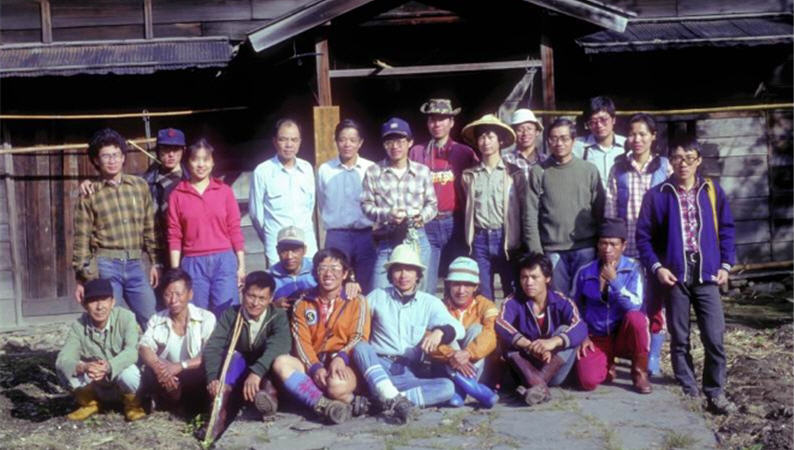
<point x="217" y="402"/>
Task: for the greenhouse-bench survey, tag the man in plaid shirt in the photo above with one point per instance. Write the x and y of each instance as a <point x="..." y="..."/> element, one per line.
<point x="112" y="226"/>
<point x="398" y="195"/>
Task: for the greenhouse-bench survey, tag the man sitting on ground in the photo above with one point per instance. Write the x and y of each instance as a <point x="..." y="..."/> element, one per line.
<point x="326" y="325"/>
<point x="98" y="359"/>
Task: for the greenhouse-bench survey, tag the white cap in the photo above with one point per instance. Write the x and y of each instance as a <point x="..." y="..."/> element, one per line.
<point x="525" y="115"/>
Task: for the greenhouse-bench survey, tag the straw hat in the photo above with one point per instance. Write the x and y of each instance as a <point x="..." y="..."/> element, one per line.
<point x="464" y="270"/>
<point x="505" y="133"/>
<point x="406" y="255"/>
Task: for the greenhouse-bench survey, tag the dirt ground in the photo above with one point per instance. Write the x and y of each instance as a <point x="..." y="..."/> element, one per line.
<point x="759" y="345"/>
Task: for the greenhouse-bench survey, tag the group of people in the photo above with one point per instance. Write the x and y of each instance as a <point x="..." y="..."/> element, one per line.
<point x="600" y="246"/>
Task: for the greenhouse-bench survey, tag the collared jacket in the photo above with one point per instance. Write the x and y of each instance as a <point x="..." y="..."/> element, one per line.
<point x="587" y="148"/>
<point x="117" y="343"/>
<point x="272" y="340"/>
<point x="481" y="311"/>
<point x="603" y="311"/>
<point x="398" y="326"/>
<point x="200" y="324"/>
<point x="160" y="186"/>
<point x="517" y="319"/>
<point x="288" y="285"/>
<point x="660" y="234"/>
<point x="516" y="223"/>
<point x="347" y="324"/>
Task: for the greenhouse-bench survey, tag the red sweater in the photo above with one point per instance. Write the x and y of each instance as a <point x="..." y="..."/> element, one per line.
<point x="204" y="224"/>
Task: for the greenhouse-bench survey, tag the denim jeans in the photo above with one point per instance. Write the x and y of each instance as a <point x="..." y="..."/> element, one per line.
<point x="489" y="252"/>
<point x="426" y="391"/>
<point x="214" y="280"/>
<point x="384" y="248"/>
<point x="439" y="235"/>
<point x="565" y="264"/>
<point x="131" y="286"/>
<point x="474" y="330"/>
<point x="359" y="248"/>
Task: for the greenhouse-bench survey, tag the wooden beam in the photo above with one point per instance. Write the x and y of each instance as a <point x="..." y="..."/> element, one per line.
<point x="13" y="231"/>
<point x="435" y="68"/>
<point x="601" y="14"/>
<point x="148" y="27"/>
<point x="547" y="60"/>
<point x="323" y="79"/>
<point x="46" y="22"/>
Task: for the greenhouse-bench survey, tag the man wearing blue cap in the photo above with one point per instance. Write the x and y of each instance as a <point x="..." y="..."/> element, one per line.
<point x="398" y="195"/>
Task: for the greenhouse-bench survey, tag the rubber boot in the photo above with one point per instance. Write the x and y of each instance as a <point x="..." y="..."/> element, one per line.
<point x="482" y="393"/>
<point x="654" y="358"/>
<point x="538" y="391"/>
<point x="132" y="407"/>
<point x="551" y="368"/>
<point x="266" y="400"/>
<point x="333" y="410"/>
<point x="458" y="398"/>
<point x="639" y="376"/>
<point x="87" y="402"/>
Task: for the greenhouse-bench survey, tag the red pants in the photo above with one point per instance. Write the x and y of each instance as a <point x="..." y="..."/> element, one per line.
<point x="631" y="339"/>
<point x="654" y="305"/>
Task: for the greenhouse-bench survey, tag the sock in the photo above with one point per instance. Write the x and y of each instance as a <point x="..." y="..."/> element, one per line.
<point x="303" y="388"/>
<point x="415" y="396"/>
<point x="380" y="382"/>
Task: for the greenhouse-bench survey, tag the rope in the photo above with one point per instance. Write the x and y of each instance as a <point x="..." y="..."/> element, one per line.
<point x="184" y="112"/>
<point x="47" y="148"/>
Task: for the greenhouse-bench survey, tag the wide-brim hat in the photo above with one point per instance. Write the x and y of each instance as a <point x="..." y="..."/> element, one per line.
<point x="406" y="255"/>
<point x="464" y="270"/>
<point x="506" y="134"/>
<point x="523" y="115"/>
<point x="442" y="106"/>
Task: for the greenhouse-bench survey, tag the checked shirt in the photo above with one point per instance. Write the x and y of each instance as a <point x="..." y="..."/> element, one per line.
<point x="383" y="191"/>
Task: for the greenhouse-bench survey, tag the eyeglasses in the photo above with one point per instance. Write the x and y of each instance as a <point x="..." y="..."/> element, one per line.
<point x="110" y="157"/>
<point x="690" y="160"/>
<point x="560" y="139"/>
<point x="524" y="129"/>
<point x="330" y="268"/>
<point x="400" y="142"/>
<point x="599" y="120"/>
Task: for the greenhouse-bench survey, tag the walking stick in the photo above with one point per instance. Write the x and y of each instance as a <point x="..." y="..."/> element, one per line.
<point x="217" y="402"/>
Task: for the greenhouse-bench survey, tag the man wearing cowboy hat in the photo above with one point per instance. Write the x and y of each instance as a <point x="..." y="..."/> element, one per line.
<point x="447" y="160"/>
<point x="496" y="213"/>
<point x="527" y="128"/>
<point x="406" y="325"/>
<point x="465" y="359"/>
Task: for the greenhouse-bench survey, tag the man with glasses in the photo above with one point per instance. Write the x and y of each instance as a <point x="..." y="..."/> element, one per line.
<point x="566" y="204"/>
<point x="685" y="236"/>
<point x="112" y="226"/>
<point x="602" y="145"/>
<point x="398" y="195"/>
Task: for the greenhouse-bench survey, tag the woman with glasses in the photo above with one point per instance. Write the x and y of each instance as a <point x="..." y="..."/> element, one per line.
<point x="204" y="235"/>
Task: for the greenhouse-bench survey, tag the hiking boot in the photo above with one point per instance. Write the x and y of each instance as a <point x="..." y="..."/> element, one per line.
<point x="400" y="407"/>
<point x="361" y="405"/>
<point x="721" y="405"/>
<point x="265" y="403"/>
<point x="87" y="402"/>
<point x="639" y="376"/>
<point x="132" y="407"/>
<point x="529" y="373"/>
<point x="535" y="395"/>
<point x="334" y="411"/>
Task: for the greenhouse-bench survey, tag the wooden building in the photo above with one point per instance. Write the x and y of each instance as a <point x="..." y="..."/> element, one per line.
<point x="227" y="69"/>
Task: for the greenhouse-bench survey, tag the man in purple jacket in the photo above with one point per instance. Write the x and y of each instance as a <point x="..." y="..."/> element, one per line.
<point x="539" y="330"/>
<point x="685" y="237"/>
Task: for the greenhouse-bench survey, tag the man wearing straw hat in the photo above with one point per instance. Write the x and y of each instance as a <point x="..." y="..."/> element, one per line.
<point x="496" y="213"/>
<point x="447" y="160"/>
<point x="528" y="128"/>
<point x="407" y="324"/>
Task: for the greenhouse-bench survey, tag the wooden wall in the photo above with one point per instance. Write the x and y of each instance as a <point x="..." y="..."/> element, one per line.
<point x="8" y="303"/>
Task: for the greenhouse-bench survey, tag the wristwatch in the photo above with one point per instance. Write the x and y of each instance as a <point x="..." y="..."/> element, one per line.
<point x="184" y="365"/>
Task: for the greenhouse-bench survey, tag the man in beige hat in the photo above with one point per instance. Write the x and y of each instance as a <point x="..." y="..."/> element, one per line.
<point x="528" y="128"/>
<point x="447" y="159"/>
<point x="496" y="213"/>
<point x="406" y="325"/>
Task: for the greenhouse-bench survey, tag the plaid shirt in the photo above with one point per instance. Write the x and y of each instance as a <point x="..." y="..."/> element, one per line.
<point x="689" y="216"/>
<point x="639" y="183"/>
<point x="384" y="191"/>
<point x="517" y="159"/>
<point x="114" y="217"/>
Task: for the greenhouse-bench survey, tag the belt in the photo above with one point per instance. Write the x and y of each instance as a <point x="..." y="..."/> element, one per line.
<point x="119" y="254"/>
<point x="443" y="215"/>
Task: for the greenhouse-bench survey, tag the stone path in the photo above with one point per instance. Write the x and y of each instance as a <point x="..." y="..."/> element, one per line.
<point x="611" y="417"/>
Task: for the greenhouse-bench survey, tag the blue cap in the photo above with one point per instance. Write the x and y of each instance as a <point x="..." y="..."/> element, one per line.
<point x="171" y="136"/>
<point x="96" y="289"/>
<point x="397" y="126"/>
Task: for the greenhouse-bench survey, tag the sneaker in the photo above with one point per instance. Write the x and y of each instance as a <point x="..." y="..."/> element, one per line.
<point x="401" y="408"/>
<point x="721" y="405"/>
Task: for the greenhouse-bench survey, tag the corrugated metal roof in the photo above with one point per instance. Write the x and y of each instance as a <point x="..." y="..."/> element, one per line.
<point x="142" y="56"/>
<point x="680" y="32"/>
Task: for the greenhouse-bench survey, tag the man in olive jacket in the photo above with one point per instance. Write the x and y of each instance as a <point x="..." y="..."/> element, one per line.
<point x="265" y="335"/>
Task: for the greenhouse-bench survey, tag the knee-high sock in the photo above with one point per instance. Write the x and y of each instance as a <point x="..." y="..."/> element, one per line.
<point x="303" y="388"/>
<point x="379" y="381"/>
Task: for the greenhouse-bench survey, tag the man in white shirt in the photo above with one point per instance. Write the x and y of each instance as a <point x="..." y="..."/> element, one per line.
<point x="601" y="146"/>
<point x="282" y="192"/>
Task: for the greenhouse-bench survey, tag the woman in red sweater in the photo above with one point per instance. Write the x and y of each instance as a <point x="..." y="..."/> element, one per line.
<point x="204" y="232"/>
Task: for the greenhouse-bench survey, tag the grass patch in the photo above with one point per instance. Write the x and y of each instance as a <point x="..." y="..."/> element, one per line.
<point x="674" y="439"/>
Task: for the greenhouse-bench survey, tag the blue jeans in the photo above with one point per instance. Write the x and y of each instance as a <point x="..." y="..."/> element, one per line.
<point x="489" y="252"/>
<point x="472" y="332"/>
<point x="359" y="248"/>
<point x="428" y="391"/>
<point x="214" y="280"/>
<point x="131" y="286"/>
<point x="384" y="248"/>
<point x="565" y="264"/>
<point x="439" y="236"/>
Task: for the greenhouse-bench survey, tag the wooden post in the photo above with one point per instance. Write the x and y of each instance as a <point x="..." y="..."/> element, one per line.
<point x="323" y="74"/>
<point x="547" y="59"/>
<point x="13" y="233"/>
<point x="148" y="27"/>
<point x="46" y="21"/>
